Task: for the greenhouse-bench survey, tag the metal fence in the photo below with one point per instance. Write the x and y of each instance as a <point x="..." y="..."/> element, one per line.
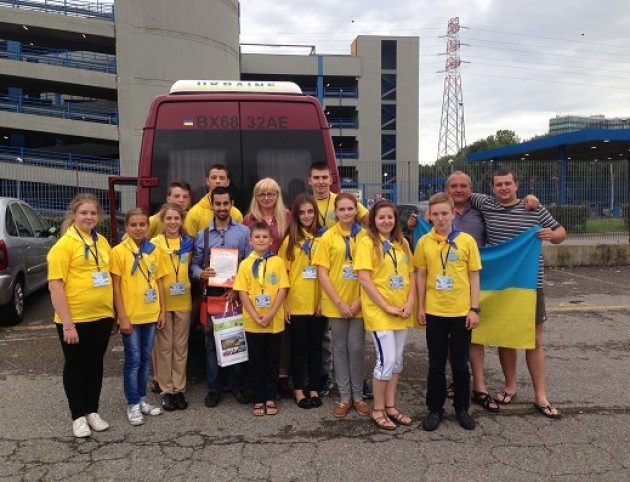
<point x="590" y="200"/>
<point x="73" y="8"/>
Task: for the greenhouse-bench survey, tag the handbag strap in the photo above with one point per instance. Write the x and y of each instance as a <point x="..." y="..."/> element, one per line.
<point x="206" y="256"/>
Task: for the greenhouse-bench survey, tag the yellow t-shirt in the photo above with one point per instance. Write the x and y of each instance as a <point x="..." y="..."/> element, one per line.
<point x="304" y="293"/>
<point x="70" y="262"/>
<point x="202" y="213"/>
<point x="331" y="254"/>
<point x="275" y="278"/>
<point x="177" y="274"/>
<point x="430" y="253"/>
<point x="326" y="208"/>
<point x="134" y="287"/>
<point x="381" y="267"/>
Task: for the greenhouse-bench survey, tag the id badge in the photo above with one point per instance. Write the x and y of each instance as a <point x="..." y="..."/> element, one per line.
<point x="183" y="258"/>
<point x="176" y="289"/>
<point x="263" y="301"/>
<point x="100" y="279"/>
<point x="310" y="272"/>
<point x="348" y="272"/>
<point x="396" y="282"/>
<point x="150" y="295"/>
<point x="444" y="283"/>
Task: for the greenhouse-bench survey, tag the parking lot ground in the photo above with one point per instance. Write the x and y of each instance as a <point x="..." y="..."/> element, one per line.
<point x="588" y="364"/>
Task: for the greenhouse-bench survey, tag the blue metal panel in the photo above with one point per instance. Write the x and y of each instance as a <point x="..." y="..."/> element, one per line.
<point x="320" y="79"/>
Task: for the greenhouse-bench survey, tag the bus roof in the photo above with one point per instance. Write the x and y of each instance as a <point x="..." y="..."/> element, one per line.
<point x="234" y="86"/>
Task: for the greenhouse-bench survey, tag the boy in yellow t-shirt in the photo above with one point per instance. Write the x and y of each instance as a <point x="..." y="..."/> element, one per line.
<point x="262" y="284"/>
<point x="448" y="266"/>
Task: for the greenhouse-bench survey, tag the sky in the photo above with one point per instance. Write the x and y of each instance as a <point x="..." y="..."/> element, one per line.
<point x="523" y="62"/>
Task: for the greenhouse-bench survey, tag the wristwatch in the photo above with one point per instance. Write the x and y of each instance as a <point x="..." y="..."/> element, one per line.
<point x="475" y="309"/>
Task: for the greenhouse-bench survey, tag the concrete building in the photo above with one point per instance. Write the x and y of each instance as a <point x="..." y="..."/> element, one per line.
<point x="570" y="123"/>
<point x="77" y="79"/>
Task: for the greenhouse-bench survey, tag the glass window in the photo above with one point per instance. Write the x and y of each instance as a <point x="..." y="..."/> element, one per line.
<point x="39" y="227"/>
<point x="388" y="54"/>
<point x="388" y="117"/>
<point x="388" y="87"/>
<point x="21" y="221"/>
<point x="9" y="223"/>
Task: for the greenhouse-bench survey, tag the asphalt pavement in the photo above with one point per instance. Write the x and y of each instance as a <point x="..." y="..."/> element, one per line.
<point x="588" y="365"/>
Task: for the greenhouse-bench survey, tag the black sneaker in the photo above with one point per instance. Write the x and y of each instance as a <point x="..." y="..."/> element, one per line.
<point x="465" y="420"/>
<point x="168" y="402"/>
<point x="242" y="397"/>
<point x="180" y="401"/>
<point x="212" y="399"/>
<point x="432" y="421"/>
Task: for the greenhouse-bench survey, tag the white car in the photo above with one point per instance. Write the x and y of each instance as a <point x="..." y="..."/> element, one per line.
<point x="25" y="240"/>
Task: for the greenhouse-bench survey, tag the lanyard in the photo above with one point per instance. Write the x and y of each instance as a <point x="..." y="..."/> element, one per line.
<point x="307" y="247"/>
<point x="444" y="260"/>
<point x="222" y="234"/>
<point x="89" y="250"/>
<point x="323" y="216"/>
<point x="146" y="276"/>
<point x="179" y="259"/>
<point x="392" y="254"/>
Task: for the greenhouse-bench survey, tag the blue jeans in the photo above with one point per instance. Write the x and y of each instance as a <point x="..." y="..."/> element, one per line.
<point x="138" y="347"/>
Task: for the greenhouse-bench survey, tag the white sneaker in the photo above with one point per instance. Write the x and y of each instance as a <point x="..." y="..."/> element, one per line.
<point x="148" y="409"/>
<point x="135" y="415"/>
<point x="80" y="428"/>
<point x="96" y="423"/>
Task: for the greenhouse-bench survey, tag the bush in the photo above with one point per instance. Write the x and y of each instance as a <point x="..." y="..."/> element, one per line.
<point x="573" y="218"/>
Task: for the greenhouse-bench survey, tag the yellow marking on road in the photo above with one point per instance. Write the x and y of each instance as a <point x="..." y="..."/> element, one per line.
<point x="568" y="309"/>
<point x="590" y="278"/>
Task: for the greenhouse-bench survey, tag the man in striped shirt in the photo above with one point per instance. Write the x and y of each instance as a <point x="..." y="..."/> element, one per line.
<point x="506" y="217"/>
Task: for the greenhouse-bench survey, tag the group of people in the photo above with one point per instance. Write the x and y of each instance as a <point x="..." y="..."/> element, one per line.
<point x="326" y="270"/>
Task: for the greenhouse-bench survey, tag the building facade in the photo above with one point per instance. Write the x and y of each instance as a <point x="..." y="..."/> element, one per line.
<point x="77" y="79"/>
<point x="571" y="123"/>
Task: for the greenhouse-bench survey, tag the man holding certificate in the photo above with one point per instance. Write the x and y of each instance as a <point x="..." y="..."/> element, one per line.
<point x="219" y="249"/>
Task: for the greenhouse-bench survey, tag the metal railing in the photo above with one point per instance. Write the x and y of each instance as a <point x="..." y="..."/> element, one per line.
<point x="344" y="122"/>
<point x="73" y="8"/>
<point x="69" y="109"/>
<point x="342" y="92"/>
<point x="93" y="61"/>
<point x="19" y="156"/>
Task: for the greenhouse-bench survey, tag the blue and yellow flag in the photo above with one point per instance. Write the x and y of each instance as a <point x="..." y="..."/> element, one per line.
<point x="508" y="291"/>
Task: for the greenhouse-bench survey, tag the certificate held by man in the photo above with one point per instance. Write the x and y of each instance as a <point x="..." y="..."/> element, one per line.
<point x="224" y="262"/>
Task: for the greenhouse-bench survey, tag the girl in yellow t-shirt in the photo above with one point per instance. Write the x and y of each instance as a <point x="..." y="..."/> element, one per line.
<point x="171" y="344"/>
<point x="137" y="274"/>
<point x="341" y="303"/>
<point x="303" y="303"/>
<point x="386" y="274"/>
<point x="78" y="270"/>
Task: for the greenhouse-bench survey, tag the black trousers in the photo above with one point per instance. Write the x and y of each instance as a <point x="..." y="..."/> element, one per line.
<point x="83" y="367"/>
<point x="264" y="353"/>
<point x="444" y="334"/>
<point x="307" y="332"/>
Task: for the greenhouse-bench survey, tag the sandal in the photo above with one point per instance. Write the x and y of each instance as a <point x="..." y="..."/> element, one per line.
<point x="259" y="409"/>
<point x="399" y="417"/>
<point x="271" y="408"/>
<point x="546" y="410"/>
<point x="383" y="421"/>
<point x="450" y="391"/>
<point x="507" y="397"/>
<point x="485" y="400"/>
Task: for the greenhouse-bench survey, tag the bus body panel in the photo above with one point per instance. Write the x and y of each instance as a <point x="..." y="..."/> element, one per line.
<point x="254" y="135"/>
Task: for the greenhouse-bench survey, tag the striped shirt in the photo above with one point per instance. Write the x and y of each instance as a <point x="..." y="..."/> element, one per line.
<point x="505" y="223"/>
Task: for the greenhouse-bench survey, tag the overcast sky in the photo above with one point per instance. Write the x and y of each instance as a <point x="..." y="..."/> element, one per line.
<point x="528" y="60"/>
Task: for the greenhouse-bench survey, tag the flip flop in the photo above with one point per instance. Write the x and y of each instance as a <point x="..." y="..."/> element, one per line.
<point x="259" y="409"/>
<point x="271" y="408"/>
<point x="485" y="400"/>
<point x="546" y="411"/>
<point x="505" y="395"/>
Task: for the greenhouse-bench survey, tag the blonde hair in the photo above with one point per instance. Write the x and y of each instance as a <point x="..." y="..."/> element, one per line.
<point x="77" y="201"/>
<point x="269" y="185"/>
<point x="442" y="198"/>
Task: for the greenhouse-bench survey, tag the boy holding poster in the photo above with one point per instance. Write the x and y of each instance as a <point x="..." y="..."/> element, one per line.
<point x="262" y="283"/>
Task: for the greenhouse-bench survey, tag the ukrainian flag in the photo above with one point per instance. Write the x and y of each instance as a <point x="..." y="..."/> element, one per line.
<point x="509" y="276"/>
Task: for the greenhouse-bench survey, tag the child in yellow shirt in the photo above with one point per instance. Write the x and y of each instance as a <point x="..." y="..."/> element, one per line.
<point x="262" y="283"/>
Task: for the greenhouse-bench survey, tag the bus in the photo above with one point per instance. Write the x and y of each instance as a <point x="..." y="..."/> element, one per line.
<point x="256" y="128"/>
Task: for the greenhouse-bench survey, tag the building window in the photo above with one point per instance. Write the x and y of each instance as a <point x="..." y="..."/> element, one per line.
<point x="388" y="117"/>
<point x="388" y="54"/>
<point x="388" y="146"/>
<point x="388" y="87"/>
